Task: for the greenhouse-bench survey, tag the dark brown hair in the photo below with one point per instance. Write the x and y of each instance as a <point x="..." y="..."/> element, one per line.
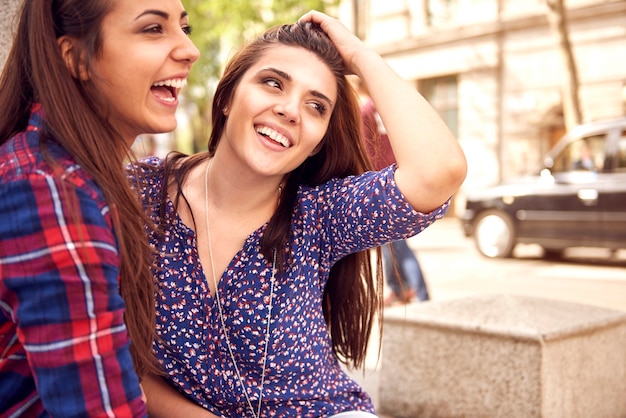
<point x="352" y="297"/>
<point x="76" y="118"/>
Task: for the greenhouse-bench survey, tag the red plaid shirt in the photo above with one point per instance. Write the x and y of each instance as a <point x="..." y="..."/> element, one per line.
<point x="63" y="342"/>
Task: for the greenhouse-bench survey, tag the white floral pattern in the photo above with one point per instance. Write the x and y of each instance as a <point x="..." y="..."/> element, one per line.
<point x="303" y="377"/>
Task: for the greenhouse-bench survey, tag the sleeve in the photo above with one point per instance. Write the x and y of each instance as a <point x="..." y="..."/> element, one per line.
<point x="60" y="285"/>
<point x="369" y="210"/>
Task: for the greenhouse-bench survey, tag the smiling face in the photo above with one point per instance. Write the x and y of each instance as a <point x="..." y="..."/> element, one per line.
<point x="280" y="111"/>
<point x="145" y="58"/>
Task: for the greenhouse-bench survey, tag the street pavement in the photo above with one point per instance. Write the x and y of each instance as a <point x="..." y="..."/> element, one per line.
<point x="453" y="268"/>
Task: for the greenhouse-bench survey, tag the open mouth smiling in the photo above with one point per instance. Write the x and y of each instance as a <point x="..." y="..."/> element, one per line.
<point x="167" y="90"/>
<point x="274" y="136"/>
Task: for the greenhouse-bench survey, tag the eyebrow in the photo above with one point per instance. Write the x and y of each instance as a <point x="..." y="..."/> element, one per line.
<point x="160" y="13"/>
<point x="287" y="77"/>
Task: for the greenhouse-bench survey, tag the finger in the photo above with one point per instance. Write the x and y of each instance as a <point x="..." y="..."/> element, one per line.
<point x="314" y="16"/>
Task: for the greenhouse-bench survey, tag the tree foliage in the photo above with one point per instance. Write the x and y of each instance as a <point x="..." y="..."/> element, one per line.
<point x="220" y="25"/>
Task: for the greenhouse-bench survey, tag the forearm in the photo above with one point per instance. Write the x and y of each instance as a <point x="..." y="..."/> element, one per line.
<point x="431" y="164"/>
<point x="166" y="402"/>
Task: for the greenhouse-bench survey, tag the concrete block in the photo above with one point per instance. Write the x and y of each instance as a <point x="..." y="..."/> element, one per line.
<point x="7" y="11"/>
<point x="503" y="356"/>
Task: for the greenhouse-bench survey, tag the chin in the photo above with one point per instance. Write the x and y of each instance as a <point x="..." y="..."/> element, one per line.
<point x="164" y="128"/>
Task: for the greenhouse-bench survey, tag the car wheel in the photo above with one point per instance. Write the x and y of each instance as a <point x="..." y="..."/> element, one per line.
<point x="494" y="234"/>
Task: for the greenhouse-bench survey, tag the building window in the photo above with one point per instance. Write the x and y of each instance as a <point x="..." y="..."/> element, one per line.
<point x="446" y="13"/>
<point x="442" y="94"/>
<point x="440" y="12"/>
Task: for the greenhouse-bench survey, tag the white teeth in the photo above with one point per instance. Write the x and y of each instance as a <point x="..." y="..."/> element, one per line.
<point x="274" y="136"/>
<point x="177" y="83"/>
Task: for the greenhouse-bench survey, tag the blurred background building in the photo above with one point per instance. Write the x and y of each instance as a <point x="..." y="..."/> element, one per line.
<point x="498" y="70"/>
<point x="504" y="74"/>
<point x="7" y="10"/>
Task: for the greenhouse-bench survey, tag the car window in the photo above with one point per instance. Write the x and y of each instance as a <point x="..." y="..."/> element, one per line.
<point x="582" y="154"/>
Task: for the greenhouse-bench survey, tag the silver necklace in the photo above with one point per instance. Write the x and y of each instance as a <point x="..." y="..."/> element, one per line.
<point x="219" y="304"/>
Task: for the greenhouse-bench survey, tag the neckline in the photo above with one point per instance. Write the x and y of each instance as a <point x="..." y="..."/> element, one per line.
<point x="225" y="332"/>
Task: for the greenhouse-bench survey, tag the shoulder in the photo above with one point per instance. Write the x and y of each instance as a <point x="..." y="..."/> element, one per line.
<point x="150" y="166"/>
<point x="22" y="155"/>
<point x="146" y="176"/>
<point x="372" y="189"/>
<point x="337" y="189"/>
<point x="22" y="161"/>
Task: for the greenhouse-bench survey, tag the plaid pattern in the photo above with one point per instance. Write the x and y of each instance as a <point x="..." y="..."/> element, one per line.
<point x="63" y="342"/>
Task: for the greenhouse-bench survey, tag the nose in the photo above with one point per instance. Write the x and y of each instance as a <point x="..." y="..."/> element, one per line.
<point x="288" y="109"/>
<point x="186" y="50"/>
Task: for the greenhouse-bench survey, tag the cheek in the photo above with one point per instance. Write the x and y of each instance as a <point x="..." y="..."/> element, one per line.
<point x="316" y="142"/>
<point x="314" y="132"/>
<point x="322" y="132"/>
<point x="317" y="148"/>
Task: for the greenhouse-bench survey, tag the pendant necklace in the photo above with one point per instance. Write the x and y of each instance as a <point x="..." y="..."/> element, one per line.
<point x="256" y="414"/>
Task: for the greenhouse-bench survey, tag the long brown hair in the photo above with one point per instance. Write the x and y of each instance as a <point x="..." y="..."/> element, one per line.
<point x="352" y="297"/>
<point x="76" y="118"/>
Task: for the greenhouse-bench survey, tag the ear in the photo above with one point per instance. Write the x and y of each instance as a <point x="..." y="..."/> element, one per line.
<point x="67" y="48"/>
<point x="226" y="108"/>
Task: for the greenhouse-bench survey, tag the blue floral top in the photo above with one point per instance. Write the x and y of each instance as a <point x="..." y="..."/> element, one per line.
<point x="302" y="377"/>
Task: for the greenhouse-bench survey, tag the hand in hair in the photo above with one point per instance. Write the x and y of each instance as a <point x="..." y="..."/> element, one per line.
<point x="431" y="164"/>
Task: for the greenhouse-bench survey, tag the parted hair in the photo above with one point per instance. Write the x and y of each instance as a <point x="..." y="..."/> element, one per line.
<point x="77" y="119"/>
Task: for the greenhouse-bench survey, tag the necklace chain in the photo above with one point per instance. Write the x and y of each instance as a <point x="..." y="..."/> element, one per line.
<point x="219" y="305"/>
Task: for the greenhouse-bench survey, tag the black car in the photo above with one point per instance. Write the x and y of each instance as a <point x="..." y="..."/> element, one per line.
<point x="578" y="200"/>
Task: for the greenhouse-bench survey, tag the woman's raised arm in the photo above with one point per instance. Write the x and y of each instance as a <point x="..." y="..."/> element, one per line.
<point x="431" y="163"/>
